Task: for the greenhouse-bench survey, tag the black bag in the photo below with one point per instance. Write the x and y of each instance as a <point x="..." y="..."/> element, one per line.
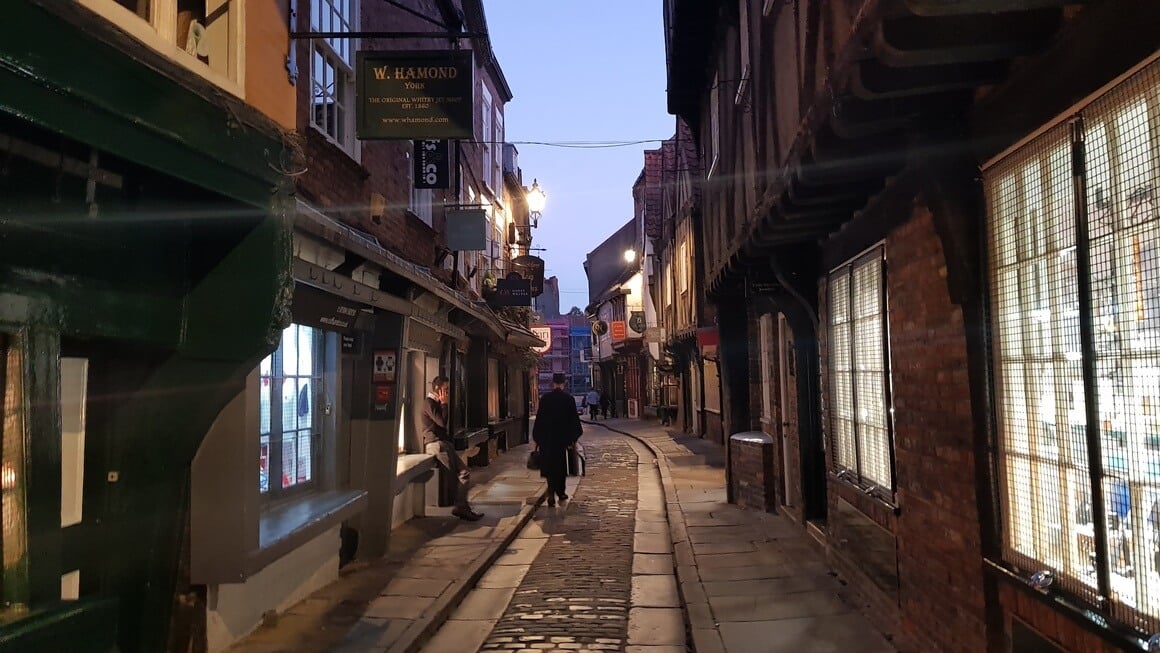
<point x="534" y="459"/>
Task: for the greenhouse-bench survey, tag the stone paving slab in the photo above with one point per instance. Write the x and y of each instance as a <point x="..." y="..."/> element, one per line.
<point x="750" y="582"/>
<point x="396" y="602"/>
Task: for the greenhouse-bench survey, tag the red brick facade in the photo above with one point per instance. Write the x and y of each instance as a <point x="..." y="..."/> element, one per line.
<point x="752" y="472"/>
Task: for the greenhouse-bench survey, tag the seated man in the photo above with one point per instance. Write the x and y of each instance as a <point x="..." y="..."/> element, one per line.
<point x="437" y="441"/>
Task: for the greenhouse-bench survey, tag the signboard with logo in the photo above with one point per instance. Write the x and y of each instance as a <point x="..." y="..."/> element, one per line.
<point x="636" y="322"/>
<point x="467" y="230"/>
<point x="512" y="290"/>
<point x="619" y="330"/>
<point x="318" y="308"/>
<point x="532" y="269"/>
<point x="414" y="94"/>
<point x="543" y="333"/>
<point x="431" y="165"/>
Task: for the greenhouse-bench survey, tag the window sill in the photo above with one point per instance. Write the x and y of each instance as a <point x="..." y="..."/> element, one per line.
<point x="871" y="493"/>
<point x="412" y="468"/>
<point x="285" y="527"/>
<point x="1072" y="609"/>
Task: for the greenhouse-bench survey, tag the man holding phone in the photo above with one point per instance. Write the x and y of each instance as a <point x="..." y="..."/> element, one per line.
<point x="437" y="442"/>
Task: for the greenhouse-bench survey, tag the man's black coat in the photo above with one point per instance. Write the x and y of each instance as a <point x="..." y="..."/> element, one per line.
<point x="557" y="428"/>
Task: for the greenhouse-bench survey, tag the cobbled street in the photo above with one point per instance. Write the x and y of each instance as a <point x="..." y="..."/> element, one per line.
<point x="576" y="594"/>
<point x="595" y="574"/>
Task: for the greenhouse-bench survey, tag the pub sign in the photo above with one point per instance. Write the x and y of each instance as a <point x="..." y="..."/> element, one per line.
<point x="431" y="165"/>
<point x="512" y="290"/>
<point x="414" y="94"/>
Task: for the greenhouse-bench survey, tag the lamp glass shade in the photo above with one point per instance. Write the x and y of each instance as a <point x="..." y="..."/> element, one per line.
<point x="536" y="198"/>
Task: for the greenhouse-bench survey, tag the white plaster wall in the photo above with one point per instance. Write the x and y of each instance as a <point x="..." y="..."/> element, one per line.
<point x="234" y="610"/>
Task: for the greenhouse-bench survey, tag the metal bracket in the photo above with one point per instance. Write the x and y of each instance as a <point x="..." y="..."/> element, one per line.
<point x="292" y="55"/>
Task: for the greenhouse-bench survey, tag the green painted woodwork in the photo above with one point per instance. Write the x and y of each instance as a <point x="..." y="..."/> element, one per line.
<point x="87" y="625"/>
<point x="75" y="84"/>
<point x="175" y="289"/>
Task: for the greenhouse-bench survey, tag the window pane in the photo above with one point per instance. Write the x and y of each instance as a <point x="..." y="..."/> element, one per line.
<point x="14" y="538"/>
<point x="289" y="460"/>
<point x="305" y="450"/>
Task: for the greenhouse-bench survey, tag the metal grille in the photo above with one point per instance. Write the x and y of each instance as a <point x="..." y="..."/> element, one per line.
<point x="1050" y="334"/>
<point x="859" y="418"/>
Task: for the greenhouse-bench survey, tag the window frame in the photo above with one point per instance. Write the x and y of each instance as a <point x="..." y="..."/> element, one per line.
<point x="743" y="67"/>
<point x="159" y="33"/>
<point x="882" y="479"/>
<point x="277" y="433"/>
<point x="1045" y="479"/>
<point x="766" y="338"/>
<point x="336" y="62"/>
<point x="714" y="125"/>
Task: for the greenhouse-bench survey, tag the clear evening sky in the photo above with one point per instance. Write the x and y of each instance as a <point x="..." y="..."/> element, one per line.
<point x="581" y="70"/>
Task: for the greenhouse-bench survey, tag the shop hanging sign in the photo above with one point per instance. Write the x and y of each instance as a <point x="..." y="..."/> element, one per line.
<point x="532" y="269"/>
<point x="636" y="322"/>
<point x="431" y="167"/>
<point x="512" y="290"/>
<point x="416" y="94"/>
<point x="543" y="333"/>
<point x="467" y="230"/>
<point x="619" y="330"/>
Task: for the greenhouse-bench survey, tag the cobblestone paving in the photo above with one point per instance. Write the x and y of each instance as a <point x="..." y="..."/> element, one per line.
<point x="575" y="596"/>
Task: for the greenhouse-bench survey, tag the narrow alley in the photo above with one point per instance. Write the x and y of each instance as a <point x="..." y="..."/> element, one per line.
<point x="645" y="557"/>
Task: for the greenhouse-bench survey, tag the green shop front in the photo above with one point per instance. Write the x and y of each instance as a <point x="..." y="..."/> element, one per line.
<point x="144" y="272"/>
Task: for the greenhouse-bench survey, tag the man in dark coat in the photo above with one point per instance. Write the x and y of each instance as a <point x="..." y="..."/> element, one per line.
<point x="437" y="441"/>
<point x="557" y="428"/>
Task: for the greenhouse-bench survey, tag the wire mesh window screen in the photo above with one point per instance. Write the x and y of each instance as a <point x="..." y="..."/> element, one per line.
<point x="1046" y="483"/>
<point x="859" y="417"/>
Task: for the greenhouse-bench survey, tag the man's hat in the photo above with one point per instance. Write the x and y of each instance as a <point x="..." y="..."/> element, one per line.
<point x="559" y="378"/>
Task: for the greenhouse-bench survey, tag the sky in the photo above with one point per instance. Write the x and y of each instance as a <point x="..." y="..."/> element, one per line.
<point x="581" y="70"/>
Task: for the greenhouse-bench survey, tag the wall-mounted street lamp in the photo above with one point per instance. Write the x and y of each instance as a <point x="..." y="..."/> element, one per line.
<point x="536" y="198"/>
<point x="630" y="256"/>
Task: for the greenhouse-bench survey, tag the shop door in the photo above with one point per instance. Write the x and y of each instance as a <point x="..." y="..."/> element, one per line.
<point x="784" y="410"/>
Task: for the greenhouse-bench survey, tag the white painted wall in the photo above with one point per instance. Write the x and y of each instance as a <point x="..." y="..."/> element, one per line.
<point x="234" y="610"/>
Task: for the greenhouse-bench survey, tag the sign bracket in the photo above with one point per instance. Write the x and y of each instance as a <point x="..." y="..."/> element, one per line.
<point x="387" y="35"/>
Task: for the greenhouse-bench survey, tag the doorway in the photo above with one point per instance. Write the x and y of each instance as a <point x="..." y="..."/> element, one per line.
<point x="786" y="377"/>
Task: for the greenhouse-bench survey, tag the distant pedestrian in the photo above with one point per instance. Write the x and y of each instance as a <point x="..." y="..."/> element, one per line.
<point x="593" y="401"/>
<point x="605" y="404"/>
<point x="557" y="429"/>
<point x="437" y="442"/>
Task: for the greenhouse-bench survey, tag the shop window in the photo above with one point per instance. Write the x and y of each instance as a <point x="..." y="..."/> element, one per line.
<point x="14" y="535"/>
<point x="289" y="411"/>
<point x="204" y="35"/>
<point x="1047" y="481"/>
<point x="860" y="426"/>
<point x="332" y="72"/>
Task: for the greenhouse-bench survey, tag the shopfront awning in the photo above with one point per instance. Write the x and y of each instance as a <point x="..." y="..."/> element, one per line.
<point x="520" y="335"/>
<point x="314" y="222"/>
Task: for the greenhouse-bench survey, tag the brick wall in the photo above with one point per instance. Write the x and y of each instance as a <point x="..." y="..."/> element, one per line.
<point x="752" y="477"/>
<point x="940" y="596"/>
<point x="940" y="555"/>
<point x="341" y="185"/>
<point x="1048" y="623"/>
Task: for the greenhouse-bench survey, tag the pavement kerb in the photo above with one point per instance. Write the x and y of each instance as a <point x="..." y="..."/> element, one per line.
<point x="425" y="627"/>
<point x="695" y="620"/>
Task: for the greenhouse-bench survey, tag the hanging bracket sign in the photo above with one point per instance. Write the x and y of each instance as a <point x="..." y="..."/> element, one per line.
<point x="414" y="95"/>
